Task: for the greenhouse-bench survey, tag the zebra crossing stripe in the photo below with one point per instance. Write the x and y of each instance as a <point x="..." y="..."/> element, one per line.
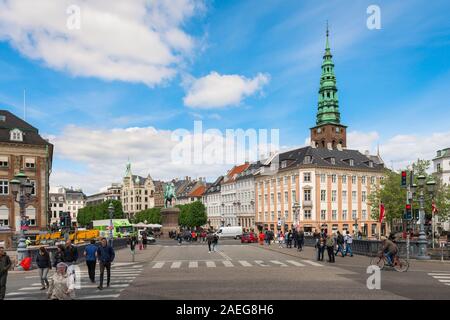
<point x="99" y="297"/>
<point x="175" y="265"/>
<point x="244" y="263"/>
<point x="439" y="274"/>
<point x="29" y="288"/>
<point x="313" y="263"/>
<point x="227" y="263"/>
<point x="444" y="281"/>
<point x="210" y="264"/>
<point x="261" y="263"/>
<point x="441" y="277"/>
<point x="278" y="263"/>
<point x="158" y="265"/>
<point x="295" y="263"/>
<point x="193" y="264"/>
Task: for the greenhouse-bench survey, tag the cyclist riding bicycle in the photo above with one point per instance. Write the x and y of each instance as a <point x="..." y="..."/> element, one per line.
<point x="390" y="250"/>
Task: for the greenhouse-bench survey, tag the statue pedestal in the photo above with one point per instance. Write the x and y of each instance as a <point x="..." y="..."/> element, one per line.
<point x="169" y="218"/>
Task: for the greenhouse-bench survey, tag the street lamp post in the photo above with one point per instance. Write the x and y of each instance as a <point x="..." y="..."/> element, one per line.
<point x="21" y="189"/>
<point x="111" y="213"/>
<point x="423" y="243"/>
<point x="296" y="210"/>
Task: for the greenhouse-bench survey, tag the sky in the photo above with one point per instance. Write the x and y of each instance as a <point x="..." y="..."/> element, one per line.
<point x="111" y="82"/>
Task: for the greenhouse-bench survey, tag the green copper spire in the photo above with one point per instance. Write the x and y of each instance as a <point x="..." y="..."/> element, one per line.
<point x="328" y="106"/>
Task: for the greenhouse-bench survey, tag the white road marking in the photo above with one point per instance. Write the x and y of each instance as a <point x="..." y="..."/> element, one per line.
<point x="313" y="263"/>
<point x="22" y="293"/>
<point x="31" y="277"/>
<point x="261" y="263"/>
<point x="441" y="277"/>
<point x="439" y="274"/>
<point x="175" y="265"/>
<point x="227" y="263"/>
<point x="111" y="286"/>
<point x="158" y="265"/>
<point x="139" y="266"/>
<point x="99" y="296"/>
<point x="244" y="263"/>
<point x="193" y="264"/>
<point x="279" y="263"/>
<point x="445" y="281"/>
<point x="210" y="264"/>
<point x="295" y="263"/>
<point x="224" y="255"/>
<point x="29" y="288"/>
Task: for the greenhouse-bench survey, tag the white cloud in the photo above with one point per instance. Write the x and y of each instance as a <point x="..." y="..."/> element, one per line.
<point x="218" y="91"/>
<point x="90" y="159"/>
<point x="400" y="151"/>
<point x="139" y="41"/>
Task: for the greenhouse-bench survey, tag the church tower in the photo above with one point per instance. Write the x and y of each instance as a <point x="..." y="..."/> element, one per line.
<point x="328" y="132"/>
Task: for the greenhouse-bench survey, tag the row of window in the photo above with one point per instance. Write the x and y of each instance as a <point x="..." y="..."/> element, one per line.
<point x="138" y="192"/>
<point x="4" y="187"/>
<point x="323" y="196"/>
<point x="307" y="215"/>
<point x="307" y="178"/>
<point x="29" y="162"/>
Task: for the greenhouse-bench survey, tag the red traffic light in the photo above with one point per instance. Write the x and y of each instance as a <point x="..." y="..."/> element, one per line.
<point x="403" y="173"/>
<point x="408" y="207"/>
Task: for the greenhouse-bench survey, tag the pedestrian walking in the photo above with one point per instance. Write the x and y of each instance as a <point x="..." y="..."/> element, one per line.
<point x="140" y="240"/>
<point x="5" y="265"/>
<point x="340" y="244"/>
<point x="179" y="238"/>
<point x="90" y="252"/>
<point x="289" y="239"/>
<point x="70" y="253"/>
<point x="348" y="244"/>
<point x="215" y="242"/>
<point x="295" y="237"/>
<point x="59" y="255"/>
<point x="44" y="264"/>
<point x="261" y="238"/>
<point x="133" y="243"/>
<point x="321" y="248"/>
<point x="62" y="285"/>
<point x="105" y="255"/>
<point x="316" y="237"/>
<point x="280" y="239"/>
<point x="330" y="248"/>
<point x="210" y="239"/>
<point x="144" y="239"/>
<point x="301" y="240"/>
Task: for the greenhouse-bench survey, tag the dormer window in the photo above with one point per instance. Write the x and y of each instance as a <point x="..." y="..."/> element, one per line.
<point x="333" y="160"/>
<point x="307" y="160"/>
<point x="371" y="164"/>
<point x="16" y="135"/>
<point x="283" y="164"/>
<point x="351" y="162"/>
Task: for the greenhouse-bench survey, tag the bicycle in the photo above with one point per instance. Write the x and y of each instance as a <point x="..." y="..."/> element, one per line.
<point x="400" y="265"/>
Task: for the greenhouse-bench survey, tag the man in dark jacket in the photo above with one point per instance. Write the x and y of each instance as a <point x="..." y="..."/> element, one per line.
<point x="5" y="264"/>
<point x="301" y="240"/>
<point x="105" y="255"/>
<point x="70" y="253"/>
<point x="295" y="237"/>
<point x="340" y="244"/>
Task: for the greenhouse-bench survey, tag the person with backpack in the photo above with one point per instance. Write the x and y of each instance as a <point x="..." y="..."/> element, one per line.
<point x="340" y="244"/>
<point x="330" y="243"/>
<point x="348" y="243"/>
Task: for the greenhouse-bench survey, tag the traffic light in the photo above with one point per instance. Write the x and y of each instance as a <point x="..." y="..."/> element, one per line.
<point x="62" y="220"/>
<point x="404" y="176"/>
<point x="408" y="212"/>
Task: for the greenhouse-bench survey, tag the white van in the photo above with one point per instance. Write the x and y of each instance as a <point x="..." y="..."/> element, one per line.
<point x="230" y="232"/>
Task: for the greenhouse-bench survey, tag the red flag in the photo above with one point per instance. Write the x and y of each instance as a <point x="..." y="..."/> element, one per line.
<point x="434" y="209"/>
<point x="381" y="212"/>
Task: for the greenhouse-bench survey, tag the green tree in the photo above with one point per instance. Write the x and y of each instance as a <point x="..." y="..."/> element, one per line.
<point x="99" y="212"/>
<point x="152" y="215"/>
<point x="197" y="213"/>
<point x="393" y="196"/>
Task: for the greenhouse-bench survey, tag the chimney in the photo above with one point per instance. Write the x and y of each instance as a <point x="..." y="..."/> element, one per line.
<point x="367" y="153"/>
<point x="339" y="147"/>
<point x="313" y="144"/>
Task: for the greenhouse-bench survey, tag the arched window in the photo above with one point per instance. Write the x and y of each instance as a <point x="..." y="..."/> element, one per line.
<point x="16" y="135"/>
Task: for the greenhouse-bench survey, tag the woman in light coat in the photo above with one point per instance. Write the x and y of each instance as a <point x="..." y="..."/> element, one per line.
<point x="62" y="286"/>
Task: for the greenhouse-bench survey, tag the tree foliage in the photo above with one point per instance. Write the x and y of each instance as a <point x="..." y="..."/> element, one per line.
<point x="393" y="196"/>
<point x="192" y="215"/>
<point x="152" y="215"/>
<point x="99" y="212"/>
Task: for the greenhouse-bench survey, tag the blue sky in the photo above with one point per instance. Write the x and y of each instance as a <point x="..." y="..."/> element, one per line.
<point x="392" y="82"/>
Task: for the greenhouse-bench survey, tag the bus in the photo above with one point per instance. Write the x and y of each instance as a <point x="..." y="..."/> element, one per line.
<point x="121" y="227"/>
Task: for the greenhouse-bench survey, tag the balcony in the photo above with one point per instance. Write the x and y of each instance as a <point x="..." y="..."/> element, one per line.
<point x="307" y="204"/>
